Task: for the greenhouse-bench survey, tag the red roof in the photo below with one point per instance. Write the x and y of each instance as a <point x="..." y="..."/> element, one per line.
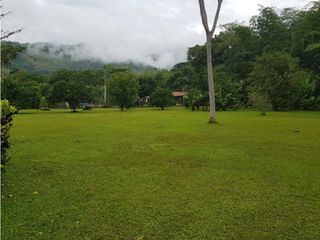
<point x="179" y="94"/>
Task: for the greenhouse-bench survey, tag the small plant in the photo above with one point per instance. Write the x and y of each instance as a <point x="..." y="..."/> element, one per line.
<point x="7" y="112"/>
<point x="44" y="106"/>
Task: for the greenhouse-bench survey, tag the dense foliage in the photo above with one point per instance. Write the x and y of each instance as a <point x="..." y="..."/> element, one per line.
<point x="277" y="56"/>
<point x="71" y="92"/>
<point x="9" y="52"/>
<point x="161" y="98"/>
<point x="280" y="78"/>
<point x="7" y="111"/>
<point x="280" y="48"/>
<point x="22" y="89"/>
<point x="123" y="88"/>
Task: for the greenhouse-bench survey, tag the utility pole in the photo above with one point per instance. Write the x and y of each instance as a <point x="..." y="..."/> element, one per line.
<point x="105" y="84"/>
<point x="108" y="70"/>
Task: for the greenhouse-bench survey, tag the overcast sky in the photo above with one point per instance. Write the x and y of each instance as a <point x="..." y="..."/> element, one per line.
<point x="120" y="30"/>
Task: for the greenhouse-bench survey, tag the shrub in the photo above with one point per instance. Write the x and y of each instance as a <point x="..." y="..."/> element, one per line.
<point x="221" y="103"/>
<point x="161" y="98"/>
<point x="7" y="111"/>
<point x="193" y="99"/>
<point x="311" y="104"/>
<point x="87" y="107"/>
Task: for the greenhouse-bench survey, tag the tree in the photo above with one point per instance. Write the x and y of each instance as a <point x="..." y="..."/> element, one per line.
<point x="209" y="35"/>
<point x="9" y="52"/>
<point x="279" y="76"/>
<point x="306" y="37"/>
<point x="92" y="79"/>
<point x="22" y="89"/>
<point x="181" y="77"/>
<point x="69" y="91"/>
<point x="123" y="88"/>
<point x="147" y="83"/>
<point x="6" y="33"/>
<point x="237" y="47"/>
<point x="271" y="30"/>
<point x="161" y="98"/>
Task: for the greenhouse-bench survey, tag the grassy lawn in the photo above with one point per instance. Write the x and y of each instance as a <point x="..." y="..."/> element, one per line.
<point x="106" y="174"/>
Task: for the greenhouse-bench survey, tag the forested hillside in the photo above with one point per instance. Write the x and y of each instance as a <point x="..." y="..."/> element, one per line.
<point x="273" y="62"/>
<point x="46" y="58"/>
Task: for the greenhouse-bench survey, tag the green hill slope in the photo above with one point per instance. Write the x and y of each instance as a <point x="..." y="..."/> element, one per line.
<point x="45" y="58"/>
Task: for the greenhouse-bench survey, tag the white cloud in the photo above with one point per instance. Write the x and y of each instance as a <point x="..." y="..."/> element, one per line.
<point x="125" y="29"/>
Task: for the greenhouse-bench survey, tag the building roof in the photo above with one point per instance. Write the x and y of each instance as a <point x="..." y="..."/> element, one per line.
<point x="179" y="94"/>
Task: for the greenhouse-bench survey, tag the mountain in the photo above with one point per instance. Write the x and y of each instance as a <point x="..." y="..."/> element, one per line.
<point x="45" y="58"/>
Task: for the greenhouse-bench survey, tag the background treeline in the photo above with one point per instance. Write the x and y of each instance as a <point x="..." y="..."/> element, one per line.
<point x="277" y="57"/>
<point x="274" y="62"/>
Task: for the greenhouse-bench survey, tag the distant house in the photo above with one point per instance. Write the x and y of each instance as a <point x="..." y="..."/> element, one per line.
<point x="178" y="97"/>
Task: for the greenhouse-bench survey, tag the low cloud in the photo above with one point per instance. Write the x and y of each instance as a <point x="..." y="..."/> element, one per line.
<point x="153" y="32"/>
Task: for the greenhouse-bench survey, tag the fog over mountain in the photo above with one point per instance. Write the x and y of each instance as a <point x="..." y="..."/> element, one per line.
<point x="155" y="33"/>
<point x="46" y="58"/>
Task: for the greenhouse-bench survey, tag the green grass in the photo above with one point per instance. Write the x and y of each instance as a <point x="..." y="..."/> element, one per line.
<point x="106" y="174"/>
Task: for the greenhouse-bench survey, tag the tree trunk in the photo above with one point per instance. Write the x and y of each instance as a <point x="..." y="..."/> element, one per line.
<point x="209" y="35"/>
<point x="212" y="100"/>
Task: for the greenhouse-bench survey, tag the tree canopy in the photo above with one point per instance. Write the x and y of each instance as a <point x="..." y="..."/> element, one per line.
<point x="279" y="47"/>
<point x="123" y="88"/>
<point x="161" y="98"/>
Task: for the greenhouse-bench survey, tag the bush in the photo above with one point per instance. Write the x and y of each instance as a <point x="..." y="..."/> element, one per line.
<point x="311" y="104"/>
<point x="221" y="103"/>
<point x="87" y="107"/>
<point x="7" y="111"/>
<point x="193" y="99"/>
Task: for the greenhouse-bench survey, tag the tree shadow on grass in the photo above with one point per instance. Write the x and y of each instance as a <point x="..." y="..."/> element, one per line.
<point x="159" y="109"/>
<point x="55" y="111"/>
<point x="29" y="113"/>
